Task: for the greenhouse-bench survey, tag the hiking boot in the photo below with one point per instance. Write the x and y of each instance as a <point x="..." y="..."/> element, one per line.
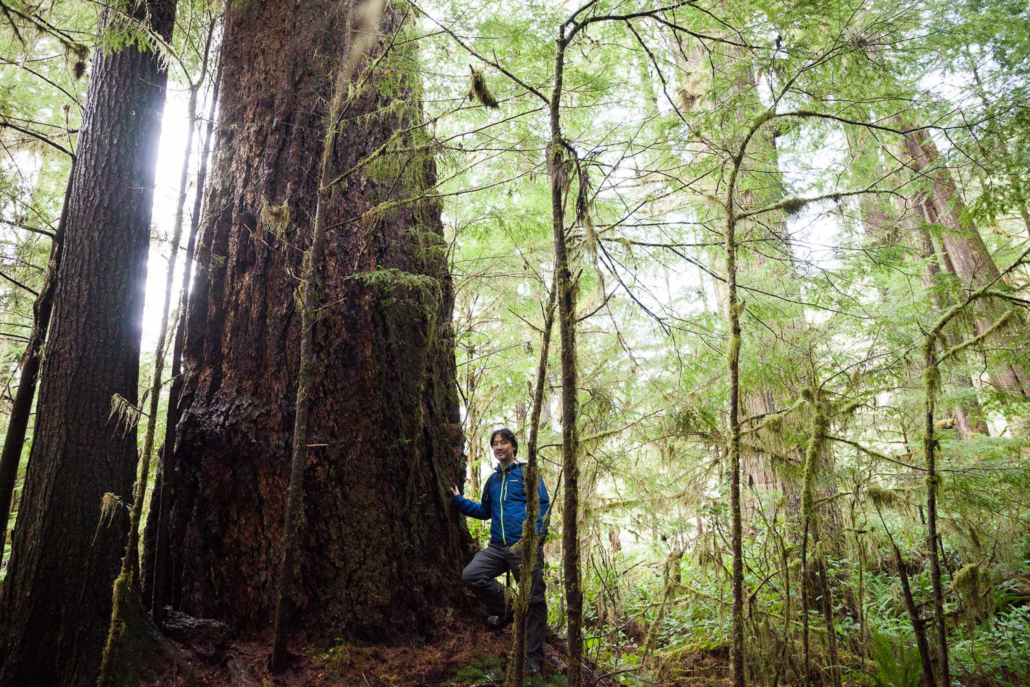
<point x="532" y="666"/>
<point x="499" y="622"/>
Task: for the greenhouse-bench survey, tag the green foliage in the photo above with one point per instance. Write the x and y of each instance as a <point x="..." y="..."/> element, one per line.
<point x="897" y="664"/>
<point x="485" y="669"/>
<point x="489" y="669"/>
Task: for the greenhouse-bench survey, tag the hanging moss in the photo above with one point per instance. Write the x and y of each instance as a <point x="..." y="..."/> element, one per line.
<point x="970" y="583"/>
<point x="480" y="92"/>
<point x="793" y="206"/>
<point x="108" y="508"/>
<point x="884" y="498"/>
<point x="275" y="219"/>
<point x="967" y="580"/>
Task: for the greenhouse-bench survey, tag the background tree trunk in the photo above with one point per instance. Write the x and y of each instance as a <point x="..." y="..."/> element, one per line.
<point x="21" y="408"/>
<point x="964" y="253"/>
<point x="57" y="595"/>
<point x="381" y="549"/>
<point x="156" y="577"/>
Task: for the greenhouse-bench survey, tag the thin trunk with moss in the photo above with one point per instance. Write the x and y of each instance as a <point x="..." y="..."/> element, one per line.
<point x="671" y="581"/>
<point x="810" y="525"/>
<point x="566" y="286"/>
<point x="156" y="577"/>
<point x="918" y="630"/>
<point x="932" y="379"/>
<point x="913" y="616"/>
<point x="932" y="383"/>
<point x="530" y="536"/>
<point x="827" y="608"/>
<point x="734" y="309"/>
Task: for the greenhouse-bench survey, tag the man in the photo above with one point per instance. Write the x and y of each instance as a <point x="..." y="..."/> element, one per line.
<point x="504" y="504"/>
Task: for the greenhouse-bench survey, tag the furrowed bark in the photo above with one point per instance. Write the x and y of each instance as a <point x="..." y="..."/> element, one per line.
<point x="896" y="224"/>
<point x="969" y="418"/>
<point x="57" y="594"/>
<point x="965" y="254"/>
<point x="289" y="569"/>
<point x="530" y="537"/>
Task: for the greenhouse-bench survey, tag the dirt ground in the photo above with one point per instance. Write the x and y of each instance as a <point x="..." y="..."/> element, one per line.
<point x="463" y="654"/>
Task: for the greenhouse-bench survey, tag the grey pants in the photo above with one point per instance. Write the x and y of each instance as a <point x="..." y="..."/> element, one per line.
<point x="479" y="576"/>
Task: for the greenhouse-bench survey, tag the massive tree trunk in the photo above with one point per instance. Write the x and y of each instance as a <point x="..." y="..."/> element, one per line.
<point x="57" y="595"/>
<point x="381" y="549"/>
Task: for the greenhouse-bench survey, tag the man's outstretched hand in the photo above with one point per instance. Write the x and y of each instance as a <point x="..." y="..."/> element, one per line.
<point x="454" y="491"/>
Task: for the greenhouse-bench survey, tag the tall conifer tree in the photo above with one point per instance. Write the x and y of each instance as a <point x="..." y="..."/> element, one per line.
<point x="66" y="552"/>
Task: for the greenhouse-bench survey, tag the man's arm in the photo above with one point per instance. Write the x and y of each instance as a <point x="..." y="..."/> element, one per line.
<point x="545" y="503"/>
<point x="482" y="510"/>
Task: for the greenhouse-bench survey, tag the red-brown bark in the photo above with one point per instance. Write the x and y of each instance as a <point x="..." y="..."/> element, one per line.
<point x="963" y="252"/>
<point x="381" y="550"/>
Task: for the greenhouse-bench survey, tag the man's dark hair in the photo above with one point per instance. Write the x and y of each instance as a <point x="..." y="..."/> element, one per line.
<point x="508" y="436"/>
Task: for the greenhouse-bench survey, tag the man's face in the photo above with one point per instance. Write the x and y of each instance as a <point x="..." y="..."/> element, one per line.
<point x="503" y="450"/>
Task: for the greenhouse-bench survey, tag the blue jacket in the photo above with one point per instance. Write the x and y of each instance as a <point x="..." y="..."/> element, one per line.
<point x="504" y="504"/>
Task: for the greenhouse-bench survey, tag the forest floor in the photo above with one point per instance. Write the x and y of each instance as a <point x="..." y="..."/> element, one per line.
<point x="463" y="654"/>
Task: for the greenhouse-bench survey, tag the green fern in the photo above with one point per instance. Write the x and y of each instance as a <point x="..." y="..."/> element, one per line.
<point x="897" y="663"/>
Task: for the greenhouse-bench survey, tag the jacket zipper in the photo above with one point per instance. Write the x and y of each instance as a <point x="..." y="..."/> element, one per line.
<point x="504" y="492"/>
